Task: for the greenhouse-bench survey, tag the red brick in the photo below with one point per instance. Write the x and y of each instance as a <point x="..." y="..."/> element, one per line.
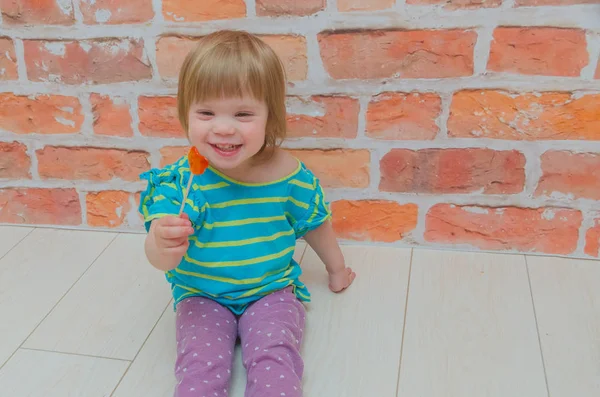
<point x="538" y="51"/>
<point x="547" y="230"/>
<point x="112" y="12"/>
<point x="172" y="50"/>
<point x="14" y="160"/>
<point x="373" y="220"/>
<point x="323" y="117"/>
<point x="8" y="60"/>
<point x="90" y="61"/>
<point x="453" y="4"/>
<point x="37" y="12"/>
<point x="545" y="116"/>
<point x="338" y="168"/>
<point x="88" y="163"/>
<point x="40" y="206"/>
<point x="439" y="171"/>
<point x="158" y="117"/>
<point x="205" y="10"/>
<point x="288" y="7"/>
<point x="574" y="175"/>
<point x="592" y="240"/>
<point x="111" y="116"/>
<point x="108" y="208"/>
<point x="42" y="114"/>
<point x="170" y="154"/>
<point x="597" y="75"/>
<point x="397" y="115"/>
<point x="554" y="2"/>
<point x="364" y="5"/>
<point x="401" y="54"/>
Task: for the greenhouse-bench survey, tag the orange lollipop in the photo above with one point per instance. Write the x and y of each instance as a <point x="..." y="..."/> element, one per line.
<point x="198" y="164"/>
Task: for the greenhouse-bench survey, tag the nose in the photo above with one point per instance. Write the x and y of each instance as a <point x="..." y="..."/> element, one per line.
<point x="223" y="127"/>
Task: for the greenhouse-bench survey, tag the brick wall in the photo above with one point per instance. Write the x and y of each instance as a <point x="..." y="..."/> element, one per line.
<point x="469" y="123"/>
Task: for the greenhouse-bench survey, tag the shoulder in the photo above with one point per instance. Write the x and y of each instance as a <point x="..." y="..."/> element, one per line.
<point x="281" y="165"/>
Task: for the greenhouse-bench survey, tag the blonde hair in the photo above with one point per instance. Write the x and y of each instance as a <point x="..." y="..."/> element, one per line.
<point x="233" y="64"/>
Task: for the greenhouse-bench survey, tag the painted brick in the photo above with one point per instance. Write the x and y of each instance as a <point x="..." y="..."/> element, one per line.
<point x="14" y="160"/>
<point x="441" y="171"/>
<point x="538" y="51"/>
<point x="554" y="2"/>
<point x="322" y="117"/>
<point x="592" y="240"/>
<point x="338" y="168"/>
<point x="42" y="114"/>
<point x="288" y="7"/>
<point x="170" y="154"/>
<point x="373" y="220"/>
<point x="40" y="206"/>
<point x="172" y="50"/>
<point x="545" y="230"/>
<point x="402" y="116"/>
<point x="89" y="163"/>
<point x="113" y="12"/>
<point x="398" y="54"/>
<point x="364" y="5"/>
<point x="597" y="75"/>
<point x="528" y="116"/>
<point x="111" y="116"/>
<point x="568" y="174"/>
<point x="37" y="12"/>
<point x="158" y="117"/>
<point x="98" y="61"/>
<point x="205" y="10"/>
<point x="453" y="4"/>
<point x="108" y="208"/>
<point x="8" y="60"/>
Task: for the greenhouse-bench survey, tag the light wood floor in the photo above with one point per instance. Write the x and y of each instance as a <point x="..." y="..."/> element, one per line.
<point x="84" y="314"/>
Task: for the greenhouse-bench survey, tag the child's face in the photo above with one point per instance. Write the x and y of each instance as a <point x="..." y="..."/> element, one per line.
<point x="228" y="131"/>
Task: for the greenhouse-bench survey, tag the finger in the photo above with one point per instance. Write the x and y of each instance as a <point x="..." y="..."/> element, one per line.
<point x="175" y="232"/>
<point x="174" y="221"/>
<point x="184" y="216"/>
<point x="174" y="243"/>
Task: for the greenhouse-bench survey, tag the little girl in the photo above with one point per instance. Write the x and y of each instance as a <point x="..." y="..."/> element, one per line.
<point x="228" y="257"/>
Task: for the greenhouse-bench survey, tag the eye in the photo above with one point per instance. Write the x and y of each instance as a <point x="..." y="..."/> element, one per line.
<point x="243" y="114"/>
<point x="205" y="113"/>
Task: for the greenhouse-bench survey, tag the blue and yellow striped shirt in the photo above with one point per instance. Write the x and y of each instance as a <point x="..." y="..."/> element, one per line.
<point x="245" y="235"/>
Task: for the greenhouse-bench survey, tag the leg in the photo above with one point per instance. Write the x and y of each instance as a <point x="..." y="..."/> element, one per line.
<point x="271" y="335"/>
<point x="206" y="335"/>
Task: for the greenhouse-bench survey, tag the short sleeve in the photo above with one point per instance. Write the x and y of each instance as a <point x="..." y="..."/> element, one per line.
<point x="164" y="194"/>
<point x="307" y="207"/>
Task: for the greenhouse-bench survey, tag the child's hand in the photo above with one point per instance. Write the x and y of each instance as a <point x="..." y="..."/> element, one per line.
<point x="167" y="241"/>
<point x="341" y="279"/>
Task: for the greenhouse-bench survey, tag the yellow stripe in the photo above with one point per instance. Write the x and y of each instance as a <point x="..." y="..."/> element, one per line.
<point x="244" y="262"/>
<point x="232" y="203"/>
<point x="301" y="184"/>
<point x="155" y="216"/>
<point x="248" y="221"/>
<point x="239" y="243"/>
<point x="214" y="186"/>
<point x="298" y="203"/>
<point x="297" y="290"/>
<point x="235" y="281"/>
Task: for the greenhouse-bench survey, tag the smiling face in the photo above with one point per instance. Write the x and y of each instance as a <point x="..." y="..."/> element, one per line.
<point x="229" y="132"/>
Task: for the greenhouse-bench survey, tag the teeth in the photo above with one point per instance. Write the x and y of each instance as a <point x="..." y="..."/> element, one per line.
<point x="226" y="147"/>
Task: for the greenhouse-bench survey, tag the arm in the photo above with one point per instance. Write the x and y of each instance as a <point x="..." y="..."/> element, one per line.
<point x="167" y="242"/>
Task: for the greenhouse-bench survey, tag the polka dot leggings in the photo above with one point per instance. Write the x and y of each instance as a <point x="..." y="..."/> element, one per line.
<point x="270" y="331"/>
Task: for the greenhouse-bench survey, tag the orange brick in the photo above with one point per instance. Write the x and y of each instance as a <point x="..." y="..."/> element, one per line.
<point x="14" y="160"/>
<point x="37" y="12"/>
<point x="554" y="2"/>
<point x="538" y="51"/>
<point x="546" y="230"/>
<point x="323" y="116"/>
<point x="545" y="116"/>
<point x="338" y="168"/>
<point x="364" y="5"/>
<point x="40" y="206"/>
<point x="172" y="50"/>
<point x="597" y="76"/>
<point x="574" y="175"/>
<point x="170" y="154"/>
<point x="592" y="240"/>
<point x="397" y="115"/>
<point x="439" y="171"/>
<point x="112" y="12"/>
<point x="8" y="60"/>
<point x="205" y="10"/>
<point x="288" y="7"/>
<point x="453" y="4"/>
<point x="111" y="116"/>
<point x="88" y="163"/>
<point x="90" y="61"/>
<point x="401" y="54"/>
<point x="158" y="117"/>
<point x="108" y="208"/>
<point x="373" y="220"/>
<point x="42" y="114"/>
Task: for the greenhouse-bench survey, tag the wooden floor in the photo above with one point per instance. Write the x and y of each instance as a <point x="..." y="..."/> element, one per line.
<point x="84" y="314"/>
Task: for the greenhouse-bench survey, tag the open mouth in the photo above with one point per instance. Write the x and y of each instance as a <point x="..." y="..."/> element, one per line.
<point x="226" y="150"/>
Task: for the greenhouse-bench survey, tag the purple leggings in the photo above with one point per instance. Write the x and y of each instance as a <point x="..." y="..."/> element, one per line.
<point x="270" y="331"/>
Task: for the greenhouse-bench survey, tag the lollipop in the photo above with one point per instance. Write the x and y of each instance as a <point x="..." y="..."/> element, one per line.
<point x="198" y="164"/>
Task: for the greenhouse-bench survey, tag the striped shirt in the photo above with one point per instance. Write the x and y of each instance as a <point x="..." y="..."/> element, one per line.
<point x="245" y="234"/>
